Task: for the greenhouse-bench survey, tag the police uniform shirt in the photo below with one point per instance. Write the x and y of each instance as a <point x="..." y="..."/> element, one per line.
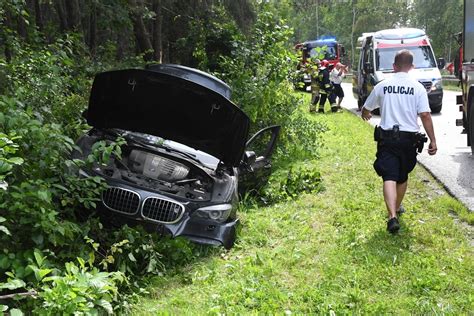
<point x="400" y="98"/>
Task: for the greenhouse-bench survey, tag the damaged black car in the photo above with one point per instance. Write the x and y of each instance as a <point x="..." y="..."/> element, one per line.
<point x="186" y="155"/>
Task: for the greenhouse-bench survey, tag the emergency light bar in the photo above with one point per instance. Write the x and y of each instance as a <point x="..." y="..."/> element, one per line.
<point x="399" y="34"/>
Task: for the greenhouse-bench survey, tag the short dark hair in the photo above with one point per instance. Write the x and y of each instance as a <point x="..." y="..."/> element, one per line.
<point x="403" y="58"/>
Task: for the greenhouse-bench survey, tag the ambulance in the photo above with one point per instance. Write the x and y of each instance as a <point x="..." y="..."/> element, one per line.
<point x="377" y="52"/>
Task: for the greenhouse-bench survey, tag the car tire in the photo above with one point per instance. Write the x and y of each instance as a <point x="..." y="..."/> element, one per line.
<point x="470" y="124"/>
<point x="437" y="108"/>
<point x="360" y="101"/>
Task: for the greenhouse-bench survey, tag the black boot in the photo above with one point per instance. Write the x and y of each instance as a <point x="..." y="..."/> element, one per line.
<point x="393" y="226"/>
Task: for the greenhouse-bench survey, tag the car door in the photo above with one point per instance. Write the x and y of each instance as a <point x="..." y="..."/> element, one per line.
<point x="255" y="168"/>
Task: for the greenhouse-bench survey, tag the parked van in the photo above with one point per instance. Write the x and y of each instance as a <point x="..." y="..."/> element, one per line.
<point x="376" y="59"/>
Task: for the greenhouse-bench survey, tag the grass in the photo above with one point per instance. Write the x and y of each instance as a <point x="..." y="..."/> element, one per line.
<point x="329" y="252"/>
<point x="452" y="86"/>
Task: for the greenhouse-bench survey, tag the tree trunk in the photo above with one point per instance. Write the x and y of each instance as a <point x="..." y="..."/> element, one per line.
<point x="352" y="34"/>
<point x="93" y="28"/>
<point x="6" y="25"/>
<point x="157" y="30"/>
<point x="121" y="45"/>
<point x="73" y="14"/>
<point x="141" y="34"/>
<point x="166" y="53"/>
<point x="63" y="23"/>
<point x="38" y="16"/>
<point x="21" y="27"/>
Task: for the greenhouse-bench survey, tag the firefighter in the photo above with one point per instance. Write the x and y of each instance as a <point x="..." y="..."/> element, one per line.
<point x="313" y="66"/>
<point x="325" y="88"/>
<point x="401" y="100"/>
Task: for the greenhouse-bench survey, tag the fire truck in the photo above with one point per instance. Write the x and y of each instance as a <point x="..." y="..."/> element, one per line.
<point x="333" y="52"/>
<point x="466" y="100"/>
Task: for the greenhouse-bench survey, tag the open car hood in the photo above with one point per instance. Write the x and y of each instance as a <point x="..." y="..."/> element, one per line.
<point x="173" y="102"/>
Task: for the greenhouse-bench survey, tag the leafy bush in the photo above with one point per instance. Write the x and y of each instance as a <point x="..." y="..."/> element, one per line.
<point x="52" y="80"/>
<point x="288" y="184"/>
<point x="261" y="71"/>
<point x="7" y="149"/>
<point x="80" y="290"/>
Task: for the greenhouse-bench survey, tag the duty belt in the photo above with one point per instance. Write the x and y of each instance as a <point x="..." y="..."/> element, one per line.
<point x="387" y="134"/>
<point x="394" y="134"/>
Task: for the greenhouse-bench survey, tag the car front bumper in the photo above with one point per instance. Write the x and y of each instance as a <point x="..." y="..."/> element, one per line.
<point x="206" y="232"/>
<point x="197" y="229"/>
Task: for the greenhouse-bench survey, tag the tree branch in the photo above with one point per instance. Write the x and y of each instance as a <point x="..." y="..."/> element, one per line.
<point x="31" y="293"/>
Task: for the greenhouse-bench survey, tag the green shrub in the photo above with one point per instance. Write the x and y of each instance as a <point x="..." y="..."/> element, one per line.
<point x="286" y="185"/>
<point x="261" y="71"/>
<point x="79" y="291"/>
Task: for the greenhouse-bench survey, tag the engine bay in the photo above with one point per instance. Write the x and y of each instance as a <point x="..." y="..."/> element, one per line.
<point x="159" y="173"/>
<point x="145" y="164"/>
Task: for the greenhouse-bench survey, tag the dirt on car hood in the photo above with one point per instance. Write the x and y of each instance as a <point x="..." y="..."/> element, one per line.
<point x="174" y="102"/>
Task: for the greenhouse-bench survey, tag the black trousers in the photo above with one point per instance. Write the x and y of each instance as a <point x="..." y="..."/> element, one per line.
<point x="325" y="96"/>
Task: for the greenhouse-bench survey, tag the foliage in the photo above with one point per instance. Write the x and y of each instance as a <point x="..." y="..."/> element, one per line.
<point x="209" y="39"/>
<point x="262" y="83"/>
<point x="286" y="185"/>
<point x="79" y="291"/>
<point x="51" y="82"/>
<point x="7" y="161"/>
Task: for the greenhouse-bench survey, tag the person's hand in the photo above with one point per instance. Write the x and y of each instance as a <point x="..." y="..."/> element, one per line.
<point x="432" y="149"/>
<point x="366" y="115"/>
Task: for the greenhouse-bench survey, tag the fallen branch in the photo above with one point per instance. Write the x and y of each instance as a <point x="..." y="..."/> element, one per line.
<point x="24" y="294"/>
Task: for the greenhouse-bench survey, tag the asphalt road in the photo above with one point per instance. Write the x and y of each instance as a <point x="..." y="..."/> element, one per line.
<point x="453" y="165"/>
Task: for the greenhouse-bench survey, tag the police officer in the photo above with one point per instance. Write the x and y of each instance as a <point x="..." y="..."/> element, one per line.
<point x="325" y="88"/>
<point x="401" y="100"/>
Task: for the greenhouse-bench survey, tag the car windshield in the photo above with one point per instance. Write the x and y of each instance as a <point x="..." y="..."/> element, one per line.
<point x="329" y="52"/>
<point x="422" y="57"/>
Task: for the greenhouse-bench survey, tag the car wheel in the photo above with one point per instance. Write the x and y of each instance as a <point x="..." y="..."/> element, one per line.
<point x="470" y="132"/>
<point x="437" y="108"/>
<point x="359" y="103"/>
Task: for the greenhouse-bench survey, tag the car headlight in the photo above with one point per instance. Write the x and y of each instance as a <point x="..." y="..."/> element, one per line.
<point x="437" y="85"/>
<point x="219" y="212"/>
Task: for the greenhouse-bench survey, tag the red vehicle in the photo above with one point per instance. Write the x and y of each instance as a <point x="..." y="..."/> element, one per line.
<point x="466" y="100"/>
<point x="333" y="53"/>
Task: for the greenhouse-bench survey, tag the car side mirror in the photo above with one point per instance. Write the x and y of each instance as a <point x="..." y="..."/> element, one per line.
<point x="249" y="158"/>
<point x="441" y="63"/>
